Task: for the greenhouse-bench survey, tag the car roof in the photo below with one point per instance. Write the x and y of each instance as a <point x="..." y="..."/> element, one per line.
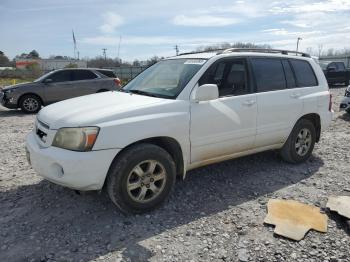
<point x="244" y="52"/>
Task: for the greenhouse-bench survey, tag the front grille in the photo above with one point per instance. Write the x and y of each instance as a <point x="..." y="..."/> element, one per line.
<point x="41" y="134"/>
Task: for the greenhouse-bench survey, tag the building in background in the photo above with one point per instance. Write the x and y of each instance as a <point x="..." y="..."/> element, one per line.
<point x="47" y="65"/>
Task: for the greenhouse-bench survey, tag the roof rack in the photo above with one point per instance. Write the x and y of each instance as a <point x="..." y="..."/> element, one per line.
<point x="263" y="50"/>
<point x="206" y="51"/>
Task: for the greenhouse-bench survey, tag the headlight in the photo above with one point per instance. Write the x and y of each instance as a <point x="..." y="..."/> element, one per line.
<point x="76" y="139"/>
<point x="9" y="91"/>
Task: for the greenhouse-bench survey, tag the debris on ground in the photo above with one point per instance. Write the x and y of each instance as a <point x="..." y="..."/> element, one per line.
<point x="339" y="204"/>
<point x="294" y="219"/>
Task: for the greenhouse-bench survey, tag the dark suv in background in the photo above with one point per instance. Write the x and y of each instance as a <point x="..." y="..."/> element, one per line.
<point x="336" y="73"/>
<point x="56" y="86"/>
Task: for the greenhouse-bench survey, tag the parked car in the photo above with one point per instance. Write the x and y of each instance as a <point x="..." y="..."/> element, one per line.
<point x="345" y="103"/>
<point x="182" y="113"/>
<point x="56" y="86"/>
<point x="336" y="73"/>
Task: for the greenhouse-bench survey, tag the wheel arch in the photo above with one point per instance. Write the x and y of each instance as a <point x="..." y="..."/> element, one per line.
<point x="316" y="120"/>
<point x="32" y="94"/>
<point x="169" y="144"/>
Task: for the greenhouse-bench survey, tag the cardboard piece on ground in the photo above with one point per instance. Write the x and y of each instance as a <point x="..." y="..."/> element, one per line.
<point x="340" y="204"/>
<point x="294" y="219"/>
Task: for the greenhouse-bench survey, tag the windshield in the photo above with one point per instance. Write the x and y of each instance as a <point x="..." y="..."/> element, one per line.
<point x="42" y="77"/>
<point x="166" y="78"/>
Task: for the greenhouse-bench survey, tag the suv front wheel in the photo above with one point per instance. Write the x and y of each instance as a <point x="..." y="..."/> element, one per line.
<point x="300" y="143"/>
<point x="141" y="178"/>
<point x="30" y="104"/>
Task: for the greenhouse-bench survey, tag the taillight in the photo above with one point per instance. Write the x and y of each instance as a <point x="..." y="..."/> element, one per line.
<point x="117" y="82"/>
<point x="330" y="103"/>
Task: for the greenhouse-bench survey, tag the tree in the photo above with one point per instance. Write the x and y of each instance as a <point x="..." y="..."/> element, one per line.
<point x="34" y="70"/>
<point x="71" y="65"/>
<point x="4" y="61"/>
<point x="33" y="54"/>
<point x="226" y="45"/>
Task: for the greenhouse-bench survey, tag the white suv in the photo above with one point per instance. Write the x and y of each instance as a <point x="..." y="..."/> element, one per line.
<point x="182" y="113"/>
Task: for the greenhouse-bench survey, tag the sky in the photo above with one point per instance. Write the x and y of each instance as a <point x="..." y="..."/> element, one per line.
<point x="147" y="28"/>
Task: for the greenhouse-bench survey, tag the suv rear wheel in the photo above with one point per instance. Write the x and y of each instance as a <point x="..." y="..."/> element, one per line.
<point x="141" y="178"/>
<point x="300" y="143"/>
<point x="30" y="104"/>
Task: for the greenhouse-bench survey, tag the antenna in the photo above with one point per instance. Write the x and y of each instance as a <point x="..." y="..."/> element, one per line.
<point x="104" y="53"/>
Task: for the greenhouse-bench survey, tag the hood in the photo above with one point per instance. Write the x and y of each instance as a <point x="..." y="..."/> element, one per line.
<point x="17" y="86"/>
<point x="97" y="108"/>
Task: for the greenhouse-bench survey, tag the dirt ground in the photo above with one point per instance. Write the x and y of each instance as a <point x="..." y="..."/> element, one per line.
<point x="216" y="214"/>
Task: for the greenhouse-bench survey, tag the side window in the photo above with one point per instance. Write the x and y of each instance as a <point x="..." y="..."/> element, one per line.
<point x="229" y="75"/>
<point x="107" y="73"/>
<point x="269" y="74"/>
<point x="61" y="76"/>
<point x="83" y="75"/>
<point x="341" y="66"/>
<point x="333" y="65"/>
<point x="304" y="73"/>
<point x="289" y="74"/>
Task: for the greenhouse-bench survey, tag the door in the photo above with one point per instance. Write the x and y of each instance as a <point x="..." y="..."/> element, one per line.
<point x="85" y="82"/>
<point x="226" y="125"/>
<point x="58" y="86"/>
<point x="279" y="101"/>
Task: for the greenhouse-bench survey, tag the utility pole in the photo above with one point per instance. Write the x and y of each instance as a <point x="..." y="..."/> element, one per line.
<point x="104" y="53"/>
<point x="176" y="49"/>
<point x="78" y="55"/>
<point x="299" y="38"/>
<point x="120" y="40"/>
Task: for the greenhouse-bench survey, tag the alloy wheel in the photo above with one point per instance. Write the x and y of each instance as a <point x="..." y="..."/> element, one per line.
<point x="146" y="181"/>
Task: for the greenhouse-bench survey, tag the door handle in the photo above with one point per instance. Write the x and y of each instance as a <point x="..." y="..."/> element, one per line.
<point x="295" y="95"/>
<point x="249" y="102"/>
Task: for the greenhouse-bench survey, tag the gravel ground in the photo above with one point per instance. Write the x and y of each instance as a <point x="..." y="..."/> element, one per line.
<point x="216" y="214"/>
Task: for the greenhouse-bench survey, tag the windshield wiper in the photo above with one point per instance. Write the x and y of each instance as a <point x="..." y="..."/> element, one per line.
<point x="145" y="93"/>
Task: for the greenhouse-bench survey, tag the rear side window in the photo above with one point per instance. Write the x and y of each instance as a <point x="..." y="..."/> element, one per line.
<point x="304" y="73"/>
<point x="61" y="76"/>
<point x="82" y="75"/>
<point x="107" y="73"/>
<point x="289" y="74"/>
<point x="269" y="74"/>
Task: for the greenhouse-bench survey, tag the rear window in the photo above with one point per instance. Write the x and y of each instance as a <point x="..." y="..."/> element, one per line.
<point x="107" y="73"/>
<point x="304" y="73"/>
<point x="269" y="74"/>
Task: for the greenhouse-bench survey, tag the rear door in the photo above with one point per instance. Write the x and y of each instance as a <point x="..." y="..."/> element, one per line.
<point x="279" y="101"/>
<point x="84" y="82"/>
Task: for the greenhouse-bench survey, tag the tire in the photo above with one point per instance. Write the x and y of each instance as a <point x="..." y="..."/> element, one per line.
<point x="298" y="147"/>
<point x="130" y="170"/>
<point x="30" y="104"/>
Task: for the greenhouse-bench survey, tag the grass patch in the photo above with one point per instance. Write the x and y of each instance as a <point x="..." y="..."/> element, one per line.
<point x="11" y="81"/>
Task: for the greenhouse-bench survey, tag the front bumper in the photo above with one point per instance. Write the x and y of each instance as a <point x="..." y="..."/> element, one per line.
<point x="76" y="170"/>
<point x="9" y="103"/>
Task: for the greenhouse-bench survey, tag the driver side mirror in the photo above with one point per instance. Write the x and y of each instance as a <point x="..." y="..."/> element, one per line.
<point x="206" y="92"/>
<point x="47" y="81"/>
